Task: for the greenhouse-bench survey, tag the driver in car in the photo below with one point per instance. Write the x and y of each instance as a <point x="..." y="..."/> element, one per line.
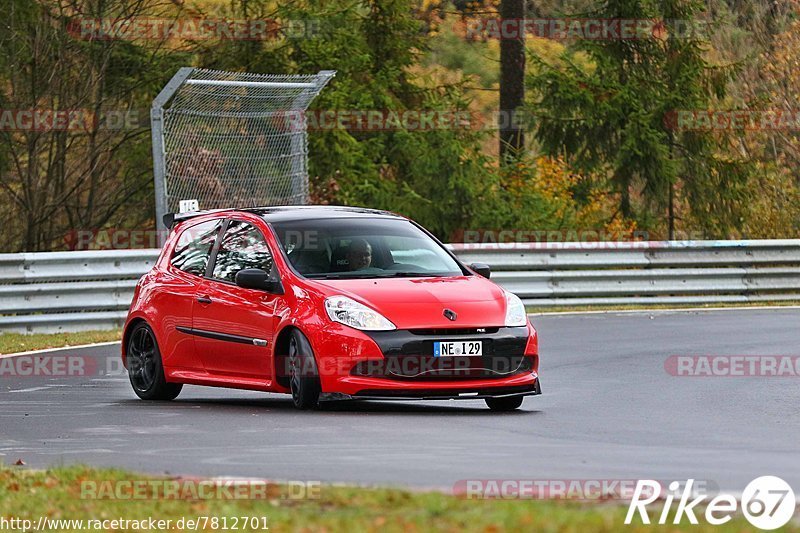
<point x="359" y="255"/>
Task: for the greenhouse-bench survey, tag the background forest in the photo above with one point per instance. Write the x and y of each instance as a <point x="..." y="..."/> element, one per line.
<point x="607" y="146"/>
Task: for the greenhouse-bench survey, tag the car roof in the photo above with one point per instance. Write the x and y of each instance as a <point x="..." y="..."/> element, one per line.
<point x="310" y="212"/>
<point x="287" y="213"/>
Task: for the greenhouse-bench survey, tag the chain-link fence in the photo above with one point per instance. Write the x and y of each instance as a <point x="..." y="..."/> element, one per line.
<point x="229" y="139"/>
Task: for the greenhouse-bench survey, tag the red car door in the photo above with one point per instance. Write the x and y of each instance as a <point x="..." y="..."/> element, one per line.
<point x="178" y="285"/>
<point x="233" y="326"/>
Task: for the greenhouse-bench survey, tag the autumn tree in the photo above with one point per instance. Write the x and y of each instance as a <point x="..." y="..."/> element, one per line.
<point x="775" y="210"/>
<point x="87" y="174"/>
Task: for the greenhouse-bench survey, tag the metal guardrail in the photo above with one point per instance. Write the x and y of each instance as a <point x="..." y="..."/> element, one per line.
<point x="69" y="291"/>
<point x="644" y="273"/>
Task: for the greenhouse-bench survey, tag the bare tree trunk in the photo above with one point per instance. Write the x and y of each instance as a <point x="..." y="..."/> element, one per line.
<point x="512" y="82"/>
<point x="672" y="211"/>
<point x="671" y="198"/>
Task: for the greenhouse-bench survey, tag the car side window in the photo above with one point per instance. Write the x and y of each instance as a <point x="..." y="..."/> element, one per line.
<point x="243" y="246"/>
<point x="194" y="247"/>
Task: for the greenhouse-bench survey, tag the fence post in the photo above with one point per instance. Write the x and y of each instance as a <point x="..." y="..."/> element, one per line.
<point x="159" y="153"/>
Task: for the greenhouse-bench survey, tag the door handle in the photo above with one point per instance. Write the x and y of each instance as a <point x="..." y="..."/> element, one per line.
<point x="204" y="300"/>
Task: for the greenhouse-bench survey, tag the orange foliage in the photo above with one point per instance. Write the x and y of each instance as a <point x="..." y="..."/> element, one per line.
<point x="551" y="180"/>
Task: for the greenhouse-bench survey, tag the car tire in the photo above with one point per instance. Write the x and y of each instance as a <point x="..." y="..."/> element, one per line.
<point x="145" y="368"/>
<point x="303" y="374"/>
<point x="508" y="403"/>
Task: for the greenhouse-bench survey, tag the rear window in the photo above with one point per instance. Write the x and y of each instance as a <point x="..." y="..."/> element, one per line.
<point x="194" y="247"/>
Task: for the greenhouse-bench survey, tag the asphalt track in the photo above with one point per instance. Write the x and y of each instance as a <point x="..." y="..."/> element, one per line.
<point x="610" y="410"/>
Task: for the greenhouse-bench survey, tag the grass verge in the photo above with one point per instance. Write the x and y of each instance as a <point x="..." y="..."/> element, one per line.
<point x="56" y="494"/>
<point x="18" y="342"/>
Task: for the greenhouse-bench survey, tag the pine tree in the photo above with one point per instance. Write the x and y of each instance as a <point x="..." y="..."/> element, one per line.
<point x="609" y="107"/>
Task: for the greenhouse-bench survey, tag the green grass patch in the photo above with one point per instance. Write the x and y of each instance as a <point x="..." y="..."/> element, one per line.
<point x="18" y="342"/>
<point x="56" y="493"/>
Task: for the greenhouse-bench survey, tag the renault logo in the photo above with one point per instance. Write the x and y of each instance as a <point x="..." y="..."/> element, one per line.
<point x="450" y="314"/>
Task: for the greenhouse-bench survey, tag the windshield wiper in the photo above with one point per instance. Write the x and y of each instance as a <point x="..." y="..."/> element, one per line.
<point x="410" y="275"/>
<point x="330" y="276"/>
<point x="374" y="276"/>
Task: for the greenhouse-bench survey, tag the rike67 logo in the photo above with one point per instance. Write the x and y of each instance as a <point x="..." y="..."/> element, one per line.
<point x="767" y="502"/>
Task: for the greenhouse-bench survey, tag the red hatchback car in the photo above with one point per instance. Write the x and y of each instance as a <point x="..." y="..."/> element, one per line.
<point x="324" y="303"/>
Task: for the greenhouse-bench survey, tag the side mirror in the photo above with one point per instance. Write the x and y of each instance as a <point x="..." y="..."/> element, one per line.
<point x="482" y="269"/>
<point x="255" y="278"/>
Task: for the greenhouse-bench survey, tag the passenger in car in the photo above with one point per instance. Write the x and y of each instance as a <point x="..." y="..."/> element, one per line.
<point x="359" y="255"/>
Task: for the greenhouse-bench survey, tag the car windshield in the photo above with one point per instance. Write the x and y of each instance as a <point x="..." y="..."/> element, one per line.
<point x="344" y="248"/>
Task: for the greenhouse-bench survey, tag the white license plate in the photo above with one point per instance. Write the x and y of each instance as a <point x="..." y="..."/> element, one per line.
<point x="458" y="348"/>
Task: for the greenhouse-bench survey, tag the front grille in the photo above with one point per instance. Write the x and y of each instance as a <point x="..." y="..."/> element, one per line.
<point x="505" y="342"/>
<point x="408" y="354"/>
<point x="449" y="332"/>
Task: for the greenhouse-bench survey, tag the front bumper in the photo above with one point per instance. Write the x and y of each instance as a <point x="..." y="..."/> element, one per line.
<point x="452" y="393"/>
<point x="399" y="364"/>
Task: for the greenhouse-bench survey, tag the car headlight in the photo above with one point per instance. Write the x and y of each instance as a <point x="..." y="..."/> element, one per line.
<point x="351" y="313"/>
<point x="515" y="311"/>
